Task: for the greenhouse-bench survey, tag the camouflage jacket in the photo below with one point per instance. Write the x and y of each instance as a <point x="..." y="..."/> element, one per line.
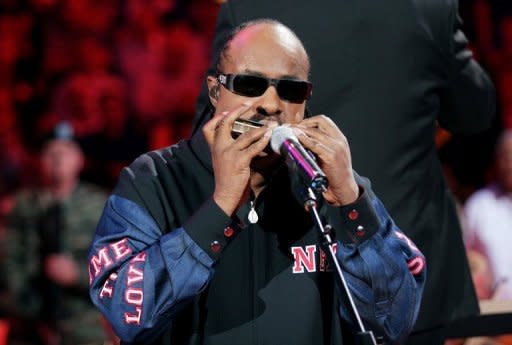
<point x="37" y="226"/>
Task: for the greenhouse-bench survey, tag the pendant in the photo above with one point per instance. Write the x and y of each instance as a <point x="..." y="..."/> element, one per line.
<point x="252" y="216"/>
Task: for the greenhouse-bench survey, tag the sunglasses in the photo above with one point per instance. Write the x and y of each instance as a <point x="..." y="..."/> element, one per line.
<point x="294" y="91"/>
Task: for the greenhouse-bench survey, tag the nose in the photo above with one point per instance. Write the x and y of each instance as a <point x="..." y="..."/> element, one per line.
<point x="269" y="103"/>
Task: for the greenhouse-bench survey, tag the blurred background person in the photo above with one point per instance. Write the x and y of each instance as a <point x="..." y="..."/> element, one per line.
<point x="45" y="248"/>
<point x="489" y="223"/>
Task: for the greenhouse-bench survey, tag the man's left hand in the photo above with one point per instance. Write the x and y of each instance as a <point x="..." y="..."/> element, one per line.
<point x="320" y="135"/>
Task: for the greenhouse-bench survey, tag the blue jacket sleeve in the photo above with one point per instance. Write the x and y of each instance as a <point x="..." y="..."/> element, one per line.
<point x="383" y="268"/>
<point x="140" y="277"/>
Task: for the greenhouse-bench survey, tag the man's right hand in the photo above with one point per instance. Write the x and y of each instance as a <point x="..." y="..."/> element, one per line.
<point x="231" y="158"/>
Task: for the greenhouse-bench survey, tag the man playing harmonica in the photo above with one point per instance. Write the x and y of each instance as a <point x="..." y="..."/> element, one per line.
<point x="204" y="242"/>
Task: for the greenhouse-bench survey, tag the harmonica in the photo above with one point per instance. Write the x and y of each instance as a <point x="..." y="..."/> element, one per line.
<point x="241" y="126"/>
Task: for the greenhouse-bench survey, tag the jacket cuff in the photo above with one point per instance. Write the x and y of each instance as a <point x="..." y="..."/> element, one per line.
<point x="355" y="222"/>
<point x="211" y="229"/>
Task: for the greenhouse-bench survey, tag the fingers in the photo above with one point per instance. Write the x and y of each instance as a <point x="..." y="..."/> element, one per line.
<point x="322" y="124"/>
<point x="316" y="135"/>
<point x="258" y="146"/>
<point x="217" y="132"/>
<point x="321" y="148"/>
<point x="248" y="138"/>
<point x="221" y="124"/>
<point x="328" y="143"/>
<point x="250" y="144"/>
<point x="209" y="127"/>
<point x="333" y="152"/>
<point x="323" y="130"/>
<point x="224" y="126"/>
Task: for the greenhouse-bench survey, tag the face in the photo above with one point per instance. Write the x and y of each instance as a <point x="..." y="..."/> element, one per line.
<point x="269" y="51"/>
<point x="61" y="161"/>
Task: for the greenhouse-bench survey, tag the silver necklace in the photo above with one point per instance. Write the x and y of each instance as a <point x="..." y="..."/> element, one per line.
<point x="253" y="215"/>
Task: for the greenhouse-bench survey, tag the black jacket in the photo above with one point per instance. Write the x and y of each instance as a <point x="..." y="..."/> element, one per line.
<point x="167" y="263"/>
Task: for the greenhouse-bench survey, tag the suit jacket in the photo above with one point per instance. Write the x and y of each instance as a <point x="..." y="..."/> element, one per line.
<point x="385" y="74"/>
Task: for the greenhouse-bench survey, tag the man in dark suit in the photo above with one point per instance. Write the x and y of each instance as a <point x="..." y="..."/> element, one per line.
<point x="386" y="73"/>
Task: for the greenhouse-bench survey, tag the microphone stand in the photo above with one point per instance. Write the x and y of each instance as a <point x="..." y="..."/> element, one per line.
<point x="363" y="337"/>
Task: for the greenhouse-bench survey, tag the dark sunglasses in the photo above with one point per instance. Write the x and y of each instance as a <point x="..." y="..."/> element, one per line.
<point x="295" y="91"/>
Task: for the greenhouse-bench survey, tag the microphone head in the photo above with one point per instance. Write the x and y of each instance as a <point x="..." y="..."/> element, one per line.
<point x="279" y="135"/>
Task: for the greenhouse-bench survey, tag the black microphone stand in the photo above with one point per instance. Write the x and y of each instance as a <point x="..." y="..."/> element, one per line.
<point x="363" y="337"/>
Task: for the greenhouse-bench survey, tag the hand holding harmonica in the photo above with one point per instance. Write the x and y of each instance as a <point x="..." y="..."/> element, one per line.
<point x="230" y="158"/>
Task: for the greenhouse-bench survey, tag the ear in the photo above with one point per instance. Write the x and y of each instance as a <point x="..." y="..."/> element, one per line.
<point x="213" y="89"/>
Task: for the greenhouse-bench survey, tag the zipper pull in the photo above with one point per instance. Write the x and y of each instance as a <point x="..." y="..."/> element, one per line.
<point x="253" y="215"/>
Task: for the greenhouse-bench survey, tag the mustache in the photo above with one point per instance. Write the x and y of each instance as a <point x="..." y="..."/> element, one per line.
<point x="261" y="118"/>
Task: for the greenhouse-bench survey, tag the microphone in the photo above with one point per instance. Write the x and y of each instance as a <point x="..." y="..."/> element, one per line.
<point x="284" y="142"/>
